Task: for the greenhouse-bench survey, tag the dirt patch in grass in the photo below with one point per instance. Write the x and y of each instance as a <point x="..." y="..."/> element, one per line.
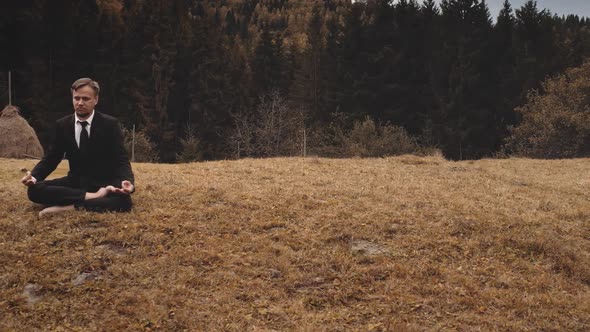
<point x="406" y="243"/>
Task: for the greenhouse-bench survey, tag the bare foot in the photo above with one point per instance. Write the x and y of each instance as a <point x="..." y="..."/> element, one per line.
<point x="102" y="192"/>
<point x="55" y="209"/>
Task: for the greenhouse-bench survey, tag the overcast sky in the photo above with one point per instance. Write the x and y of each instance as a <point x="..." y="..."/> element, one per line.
<point x="559" y="7"/>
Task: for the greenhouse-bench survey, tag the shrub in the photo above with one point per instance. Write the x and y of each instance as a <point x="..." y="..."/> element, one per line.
<point x="145" y="150"/>
<point x="556" y="123"/>
<point x="328" y="141"/>
<point x="367" y="139"/>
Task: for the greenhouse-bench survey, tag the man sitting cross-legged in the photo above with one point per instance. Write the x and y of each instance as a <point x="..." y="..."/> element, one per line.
<point x="100" y="177"/>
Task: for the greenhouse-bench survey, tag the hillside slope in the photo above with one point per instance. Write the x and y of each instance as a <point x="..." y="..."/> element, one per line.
<point x="402" y="244"/>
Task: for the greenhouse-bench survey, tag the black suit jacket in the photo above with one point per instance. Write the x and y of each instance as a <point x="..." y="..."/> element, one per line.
<point x="106" y="162"/>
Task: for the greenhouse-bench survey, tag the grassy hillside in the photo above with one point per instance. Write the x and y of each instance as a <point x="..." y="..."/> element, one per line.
<point x="400" y="244"/>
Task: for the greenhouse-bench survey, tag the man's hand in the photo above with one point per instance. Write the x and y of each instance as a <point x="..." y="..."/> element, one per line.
<point x="126" y="188"/>
<point x="28" y="180"/>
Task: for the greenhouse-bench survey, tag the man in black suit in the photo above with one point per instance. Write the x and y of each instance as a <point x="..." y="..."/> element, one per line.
<point x="100" y="177"/>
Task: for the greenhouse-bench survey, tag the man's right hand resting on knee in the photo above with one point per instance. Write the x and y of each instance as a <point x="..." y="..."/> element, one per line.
<point x="28" y="180"/>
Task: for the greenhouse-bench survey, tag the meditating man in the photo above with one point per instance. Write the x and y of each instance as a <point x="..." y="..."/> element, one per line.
<point x="100" y="177"/>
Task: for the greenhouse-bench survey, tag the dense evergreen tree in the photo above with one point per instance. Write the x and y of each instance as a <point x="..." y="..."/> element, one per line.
<point x="308" y="87"/>
<point x="467" y="72"/>
<point x="353" y="92"/>
<point x="507" y="89"/>
<point x="535" y="41"/>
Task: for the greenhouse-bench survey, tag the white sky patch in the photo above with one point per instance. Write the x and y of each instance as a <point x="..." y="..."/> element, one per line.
<point x="559" y="7"/>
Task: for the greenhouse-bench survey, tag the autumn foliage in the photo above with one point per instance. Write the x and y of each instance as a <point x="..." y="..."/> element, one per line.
<point x="556" y="122"/>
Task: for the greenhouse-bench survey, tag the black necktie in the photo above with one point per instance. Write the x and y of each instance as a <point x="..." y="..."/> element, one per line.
<point x="83" y="136"/>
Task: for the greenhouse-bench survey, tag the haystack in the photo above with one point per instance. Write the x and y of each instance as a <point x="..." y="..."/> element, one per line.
<point x="17" y="138"/>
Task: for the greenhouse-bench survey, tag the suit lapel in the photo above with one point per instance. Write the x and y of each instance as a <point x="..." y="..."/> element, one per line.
<point x="94" y="131"/>
<point x="71" y="132"/>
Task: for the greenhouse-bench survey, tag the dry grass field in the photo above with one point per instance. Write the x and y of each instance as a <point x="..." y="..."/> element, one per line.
<point x="396" y="244"/>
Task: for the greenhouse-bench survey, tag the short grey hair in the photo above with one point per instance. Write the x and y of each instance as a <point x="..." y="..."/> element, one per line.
<point x="82" y="82"/>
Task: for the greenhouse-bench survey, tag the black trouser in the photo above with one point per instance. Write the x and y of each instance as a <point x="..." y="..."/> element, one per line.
<point x="68" y="191"/>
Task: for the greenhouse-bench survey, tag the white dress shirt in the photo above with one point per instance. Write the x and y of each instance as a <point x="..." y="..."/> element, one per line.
<point x="79" y="126"/>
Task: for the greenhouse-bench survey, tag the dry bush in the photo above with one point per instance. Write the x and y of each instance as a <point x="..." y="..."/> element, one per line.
<point x="145" y="150"/>
<point x="329" y="141"/>
<point x="368" y="139"/>
<point x="365" y="139"/>
<point x="17" y="138"/>
<point x="555" y="123"/>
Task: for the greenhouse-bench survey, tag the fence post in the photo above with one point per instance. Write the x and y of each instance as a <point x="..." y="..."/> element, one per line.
<point x="9" y="88"/>
<point x="304" y="142"/>
<point x="133" y="144"/>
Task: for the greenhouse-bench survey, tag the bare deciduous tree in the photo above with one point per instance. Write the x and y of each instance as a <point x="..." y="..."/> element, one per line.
<point x="273" y="129"/>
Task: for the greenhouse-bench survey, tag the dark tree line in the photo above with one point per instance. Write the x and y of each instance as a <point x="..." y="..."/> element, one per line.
<point x="450" y="75"/>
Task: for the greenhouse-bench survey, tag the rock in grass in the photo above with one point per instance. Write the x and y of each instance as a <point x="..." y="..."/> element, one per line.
<point x="32" y="293"/>
<point x="84" y="277"/>
<point x="368" y="248"/>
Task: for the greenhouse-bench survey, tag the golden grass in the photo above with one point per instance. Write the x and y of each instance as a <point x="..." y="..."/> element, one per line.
<point x="394" y="244"/>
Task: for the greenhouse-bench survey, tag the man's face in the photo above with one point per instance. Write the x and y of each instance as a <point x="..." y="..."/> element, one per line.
<point x="84" y="100"/>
